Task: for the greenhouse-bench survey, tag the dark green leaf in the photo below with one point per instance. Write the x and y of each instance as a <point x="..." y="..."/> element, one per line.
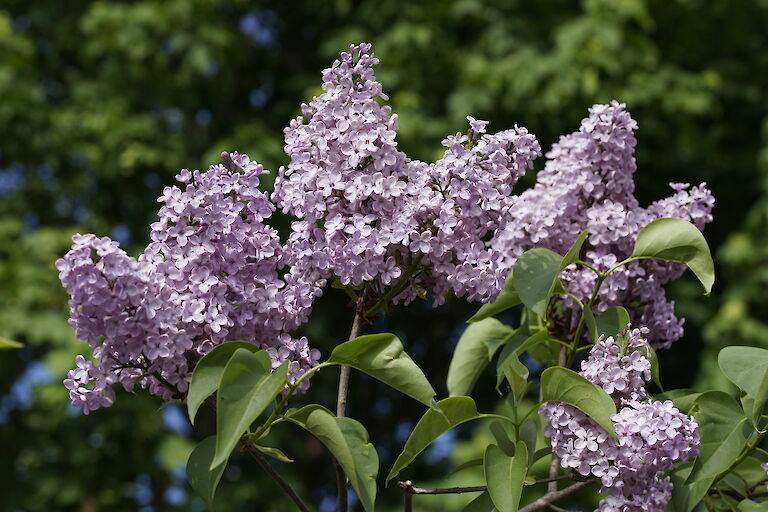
<point x="655" y="377"/>
<point x="382" y="357"/>
<point x="473" y="353"/>
<point x="753" y="506"/>
<point x="508" y="298"/>
<point x="505" y="475"/>
<point x="560" y="384"/>
<point x="573" y="253"/>
<point x="202" y="478"/>
<point x="680" y="241"/>
<point x="455" y="411"/>
<point x="207" y="373"/>
<point x="686" y="495"/>
<point x="529" y="433"/>
<point x="724" y="432"/>
<point x="348" y="441"/>
<point x="247" y="387"/>
<point x="502" y="438"/>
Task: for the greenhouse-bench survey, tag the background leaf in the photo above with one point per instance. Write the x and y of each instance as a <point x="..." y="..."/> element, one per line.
<point x="508" y="298"/>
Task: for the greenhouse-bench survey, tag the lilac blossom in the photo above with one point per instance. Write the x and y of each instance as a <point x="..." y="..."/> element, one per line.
<point x="210" y="274"/>
<point x="367" y="213"/>
<point x="652" y="435"/>
<point x="587" y="183"/>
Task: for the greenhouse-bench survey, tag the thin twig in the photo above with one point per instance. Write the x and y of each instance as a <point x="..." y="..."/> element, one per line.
<point x="341" y="409"/>
<point x="285" y="486"/>
<point x="552" y="497"/>
<point x="555" y="508"/>
<point x="409" y="488"/>
<point x="552" y="485"/>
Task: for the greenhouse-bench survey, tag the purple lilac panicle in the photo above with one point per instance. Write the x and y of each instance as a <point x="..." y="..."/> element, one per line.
<point x="587" y="183"/>
<point x="652" y="435"/>
<point x="366" y="212"/>
<point x="209" y="275"/>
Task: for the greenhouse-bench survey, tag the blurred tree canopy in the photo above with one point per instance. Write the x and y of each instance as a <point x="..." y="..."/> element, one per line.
<point x="101" y="103"/>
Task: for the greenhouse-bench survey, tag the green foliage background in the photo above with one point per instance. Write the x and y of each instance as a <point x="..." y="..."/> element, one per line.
<point x="101" y="103"/>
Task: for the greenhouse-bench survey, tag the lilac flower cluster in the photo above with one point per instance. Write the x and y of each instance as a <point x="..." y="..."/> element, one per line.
<point x="367" y="213"/>
<point x="652" y="435"/>
<point x="210" y="274"/>
<point x="587" y="183"/>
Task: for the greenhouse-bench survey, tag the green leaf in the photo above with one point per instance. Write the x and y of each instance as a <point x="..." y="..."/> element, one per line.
<point x="207" y="373"/>
<point x="275" y="453"/>
<point x="5" y="343"/>
<point x="753" y="506"/>
<point x="724" y="432"/>
<point x="529" y="433"/>
<point x="348" y="441"/>
<point x="202" y="478"/>
<point x="534" y="276"/>
<point x="747" y="367"/>
<point x="505" y="475"/>
<point x="248" y="386"/>
<point x="482" y="503"/>
<point x="611" y="321"/>
<point x="679" y="241"/>
<point x="541" y="453"/>
<point x="573" y="253"/>
<point x="382" y="357"/>
<point x="560" y="384"/>
<point x="655" y="376"/>
<point x="516" y="374"/>
<point x="455" y="411"/>
<point x="473" y="352"/>
<point x="502" y="439"/>
<point x="508" y="298"/>
<point x="686" y="495"/>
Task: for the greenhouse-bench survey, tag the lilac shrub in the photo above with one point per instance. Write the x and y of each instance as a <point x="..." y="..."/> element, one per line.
<point x="389" y="229"/>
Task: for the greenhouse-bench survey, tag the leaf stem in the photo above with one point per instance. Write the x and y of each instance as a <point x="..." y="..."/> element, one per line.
<point x="740" y="459"/>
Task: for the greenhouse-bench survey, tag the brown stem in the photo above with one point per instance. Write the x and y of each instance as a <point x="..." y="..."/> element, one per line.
<point x="552" y="485"/>
<point x="285" y="486"/>
<point x="552" y="497"/>
<point x="409" y="488"/>
<point x="341" y="409"/>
